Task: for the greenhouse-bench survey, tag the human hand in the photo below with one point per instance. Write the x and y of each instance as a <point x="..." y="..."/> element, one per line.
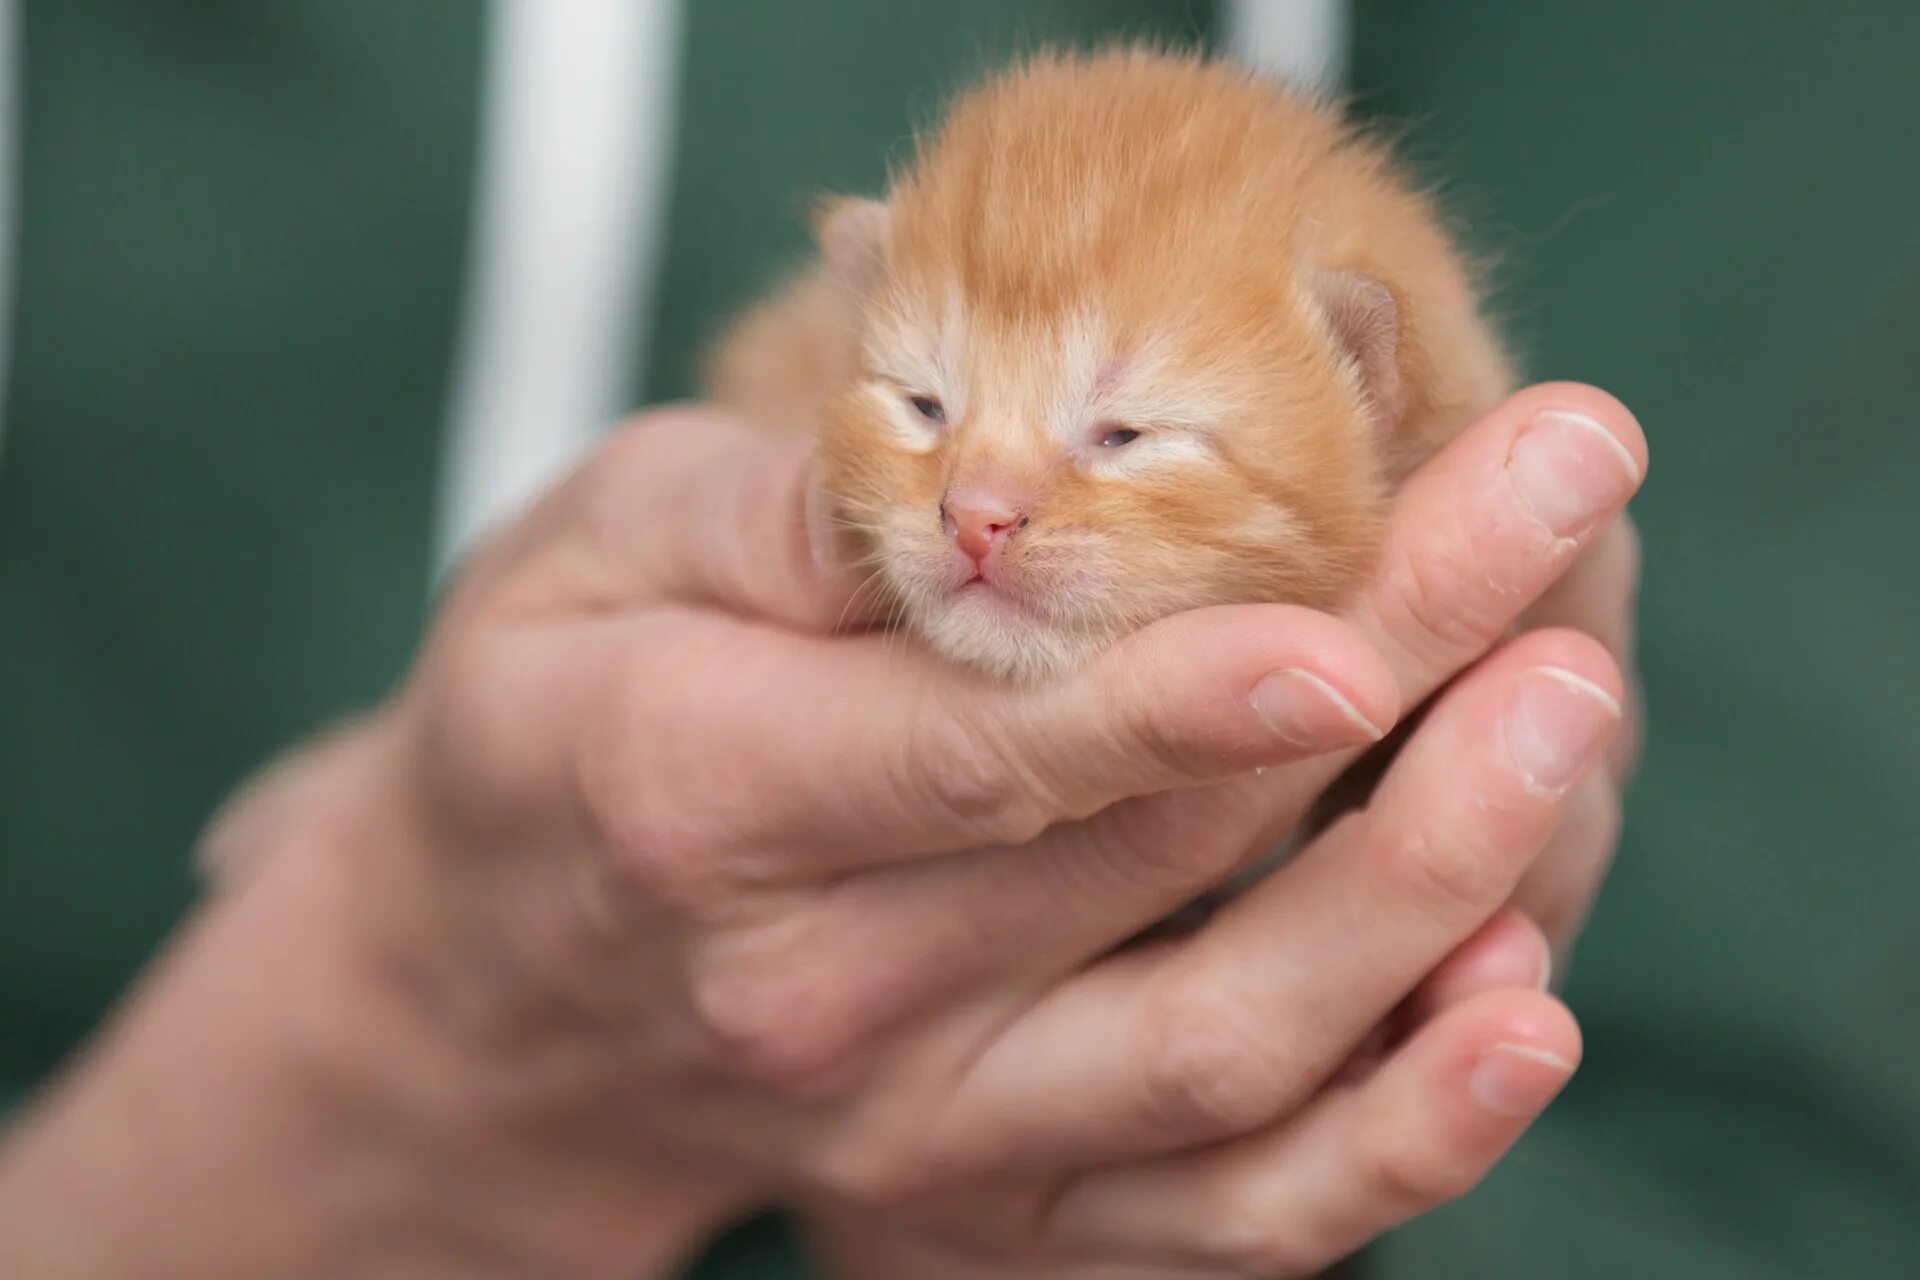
<point x="1461" y="560"/>
<point x="811" y="1000"/>
<point x="654" y="886"/>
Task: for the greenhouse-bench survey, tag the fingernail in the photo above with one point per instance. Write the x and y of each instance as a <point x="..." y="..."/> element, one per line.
<point x="1517" y="1079"/>
<point x="1567" y="471"/>
<point x="1306" y="711"/>
<point x="1545" y="980"/>
<point x="1556" y="723"/>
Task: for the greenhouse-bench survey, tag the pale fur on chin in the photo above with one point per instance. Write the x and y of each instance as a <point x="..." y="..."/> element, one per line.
<point x="1132" y="239"/>
<point x="1014" y="652"/>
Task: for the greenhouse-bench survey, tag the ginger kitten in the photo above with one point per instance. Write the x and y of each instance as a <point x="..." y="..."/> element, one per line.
<point x="1134" y="332"/>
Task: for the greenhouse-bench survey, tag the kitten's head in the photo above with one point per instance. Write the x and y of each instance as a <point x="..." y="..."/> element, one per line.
<point x="1107" y="370"/>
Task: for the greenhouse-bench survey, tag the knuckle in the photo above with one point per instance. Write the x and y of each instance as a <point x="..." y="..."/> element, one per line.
<point x="1260" y="1239"/>
<point x="637" y="447"/>
<point x="663" y="856"/>
<point x="1257" y="1229"/>
<point x="766" y="1031"/>
<point x="1184" y="841"/>
<point x="1144" y="725"/>
<point x="1409" y="1179"/>
<point x="1206" y="1074"/>
<point x="647" y="463"/>
<point x="971" y="782"/>
<point x="892" y="1173"/>
<point x="668" y="843"/>
<point x="1449" y="877"/>
<point x="626" y="465"/>
<point x="1142" y="735"/>
<point x="1429" y="613"/>
<point x="666" y="856"/>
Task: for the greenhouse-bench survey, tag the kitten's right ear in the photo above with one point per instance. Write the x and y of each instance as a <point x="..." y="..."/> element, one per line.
<point x="852" y="235"/>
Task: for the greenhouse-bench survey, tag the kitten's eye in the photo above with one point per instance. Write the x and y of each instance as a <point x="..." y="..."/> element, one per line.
<point x="1118" y="437"/>
<point x="929" y="408"/>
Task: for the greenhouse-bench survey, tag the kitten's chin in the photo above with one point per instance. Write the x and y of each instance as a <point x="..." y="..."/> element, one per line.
<point x="1004" y="643"/>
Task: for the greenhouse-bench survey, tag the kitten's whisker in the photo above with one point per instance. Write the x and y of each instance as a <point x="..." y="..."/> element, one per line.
<point x="868" y="583"/>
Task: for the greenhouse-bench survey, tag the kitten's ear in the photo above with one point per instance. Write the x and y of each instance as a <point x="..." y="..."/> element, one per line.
<point x="852" y="235"/>
<point x="1365" y="324"/>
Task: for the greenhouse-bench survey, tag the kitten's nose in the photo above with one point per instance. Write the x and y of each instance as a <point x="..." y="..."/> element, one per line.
<point x="976" y="521"/>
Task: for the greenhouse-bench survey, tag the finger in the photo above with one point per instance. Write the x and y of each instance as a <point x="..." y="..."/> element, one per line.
<point x="1483" y="529"/>
<point x="1599" y="595"/>
<point x="1507" y="953"/>
<point x="1216" y="1035"/>
<point x="684" y="504"/>
<point x="1559" y="888"/>
<point x="1356" y="1161"/>
<point x="1475" y="537"/>
<point x="848" y="754"/>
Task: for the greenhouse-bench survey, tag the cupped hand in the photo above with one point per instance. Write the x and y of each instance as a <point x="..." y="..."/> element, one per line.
<point x="649" y="884"/>
<point x="830" y="920"/>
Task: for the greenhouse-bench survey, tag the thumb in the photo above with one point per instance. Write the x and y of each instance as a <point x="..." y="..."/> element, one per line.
<point x="685" y="505"/>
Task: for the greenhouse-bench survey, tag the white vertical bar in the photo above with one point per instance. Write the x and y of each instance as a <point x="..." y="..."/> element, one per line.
<point x="1303" y="40"/>
<point x="576" y="136"/>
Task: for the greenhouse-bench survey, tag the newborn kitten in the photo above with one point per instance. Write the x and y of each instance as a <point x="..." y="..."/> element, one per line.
<point x="1134" y="332"/>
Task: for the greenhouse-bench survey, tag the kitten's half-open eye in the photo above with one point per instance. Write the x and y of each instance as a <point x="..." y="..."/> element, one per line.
<point x="929" y="408"/>
<point x="1117" y="437"/>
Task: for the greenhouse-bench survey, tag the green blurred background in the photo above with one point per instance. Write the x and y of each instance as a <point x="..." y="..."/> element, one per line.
<point x="240" y="234"/>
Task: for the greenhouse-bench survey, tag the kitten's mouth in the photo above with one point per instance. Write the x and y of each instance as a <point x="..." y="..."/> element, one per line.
<point x="984" y="592"/>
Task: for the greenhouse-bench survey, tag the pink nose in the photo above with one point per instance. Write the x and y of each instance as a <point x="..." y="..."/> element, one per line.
<point x="978" y="521"/>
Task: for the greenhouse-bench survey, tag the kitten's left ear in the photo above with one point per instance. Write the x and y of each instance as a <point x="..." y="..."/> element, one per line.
<point x="852" y="234"/>
<point x="1364" y="322"/>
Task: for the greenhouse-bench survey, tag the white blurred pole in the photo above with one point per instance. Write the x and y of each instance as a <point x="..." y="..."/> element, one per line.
<point x="1304" y="40"/>
<point x="575" y="139"/>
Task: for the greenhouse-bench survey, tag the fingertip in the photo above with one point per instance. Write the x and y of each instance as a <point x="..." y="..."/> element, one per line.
<point x="1527" y="1048"/>
<point x="1535" y="1020"/>
<point x="1589" y="405"/>
<point x="1306" y="710"/>
<point x="1451" y="1100"/>
<point x="1575" y="657"/>
<point x="1480" y="531"/>
<point x="1487" y="1066"/>
<point x="1298" y="681"/>
<point x="1348" y="661"/>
